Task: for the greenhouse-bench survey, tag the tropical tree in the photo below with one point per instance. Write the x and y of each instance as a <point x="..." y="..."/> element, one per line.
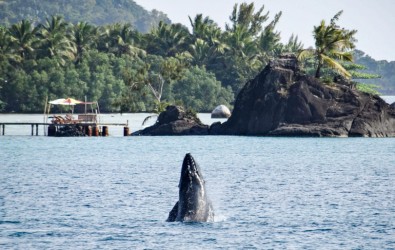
<point x="249" y="41"/>
<point x="246" y="18"/>
<point x="269" y="41"/>
<point x="207" y="41"/>
<point x="167" y="39"/>
<point x="293" y="45"/>
<point x="55" y="40"/>
<point x="7" y="54"/>
<point x="332" y="44"/>
<point x="23" y="38"/>
<point x="84" y="36"/>
<point x="170" y="69"/>
<point x="239" y="59"/>
<point x="121" y="39"/>
<point x="200" y="90"/>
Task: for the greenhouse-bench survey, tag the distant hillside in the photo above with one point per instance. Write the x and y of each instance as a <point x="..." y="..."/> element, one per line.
<point x="98" y="12"/>
<point x="383" y="68"/>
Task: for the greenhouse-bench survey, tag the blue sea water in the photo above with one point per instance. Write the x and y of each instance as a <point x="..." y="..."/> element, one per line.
<point x="268" y="193"/>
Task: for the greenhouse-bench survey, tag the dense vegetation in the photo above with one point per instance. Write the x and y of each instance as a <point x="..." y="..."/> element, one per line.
<point x="97" y="12"/>
<point x="129" y="70"/>
<point x="384" y="69"/>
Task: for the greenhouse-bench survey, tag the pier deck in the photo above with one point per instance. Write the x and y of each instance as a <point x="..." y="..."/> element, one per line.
<point x="37" y="124"/>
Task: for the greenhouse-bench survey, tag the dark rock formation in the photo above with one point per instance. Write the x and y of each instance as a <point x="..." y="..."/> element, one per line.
<point x="281" y="101"/>
<point x="175" y="121"/>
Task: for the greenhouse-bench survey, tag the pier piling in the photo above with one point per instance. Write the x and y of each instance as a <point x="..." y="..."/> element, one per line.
<point x="105" y="131"/>
<point x="51" y="130"/>
<point x="125" y="131"/>
<point x="88" y="131"/>
<point x="95" y="131"/>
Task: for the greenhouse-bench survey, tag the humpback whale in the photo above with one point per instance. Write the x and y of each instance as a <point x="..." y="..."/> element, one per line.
<point x="193" y="204"/>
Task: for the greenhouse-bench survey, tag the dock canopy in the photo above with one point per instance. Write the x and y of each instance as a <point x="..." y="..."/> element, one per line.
<point x="66" y="101"/>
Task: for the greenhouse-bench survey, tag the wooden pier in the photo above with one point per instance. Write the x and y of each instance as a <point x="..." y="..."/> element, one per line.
<point x="35" y="125"/>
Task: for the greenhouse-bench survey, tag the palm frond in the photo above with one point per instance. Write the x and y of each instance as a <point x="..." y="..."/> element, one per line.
<point x="146" y="119"/>
<point x="304" y="54"/>
<point x="335" y="65"/>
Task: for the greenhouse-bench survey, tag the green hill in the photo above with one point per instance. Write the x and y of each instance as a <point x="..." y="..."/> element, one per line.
<point x="383" y="68"/>
<point x="98" y="12"/>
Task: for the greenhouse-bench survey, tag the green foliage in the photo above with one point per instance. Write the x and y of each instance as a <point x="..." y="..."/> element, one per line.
<point x="368" y="88"/>
<point x="384" y="69"/>
<point x="250" y="43"/>
<point x="332" y="56"/>
<point x="332" y="44"/>
<point x="96" y="12"/>
<point x="167" y="39"/>
<point x="199" y="90"/>
<point x="106" y="57"/>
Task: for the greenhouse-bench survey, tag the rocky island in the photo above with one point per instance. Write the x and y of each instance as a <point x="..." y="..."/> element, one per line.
<point x="283" y="101"/>
<point x="175" y="121"/>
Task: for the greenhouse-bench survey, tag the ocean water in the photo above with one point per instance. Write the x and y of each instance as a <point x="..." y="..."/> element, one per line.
<point x="268" y="193"/>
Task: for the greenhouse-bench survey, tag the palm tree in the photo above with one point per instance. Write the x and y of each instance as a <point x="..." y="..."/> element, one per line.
<point x="332" y="43"/>
<point x="199" y="52"/>
<point x="245" y="17"/>
<point x="6" y="52"/>
<point x="84" y="36"/>
<point x="23" y="38"/>
<point x="241" y="43"/>
<point x="56" y="41"/>
<point x="121" y="39"/>
<point x="207" y="43"/>
<point x="269" y="40"/>
<point x="250" y="43"/>
<point x="167" y="39"/>
<point x="202" y="28"/>
<point x="293" y="45"/>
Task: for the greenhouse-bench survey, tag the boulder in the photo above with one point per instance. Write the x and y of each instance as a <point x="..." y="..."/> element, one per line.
<point x="282" y="101"/>
<point x="175" y="121"/>
<point x="220" y="111"/>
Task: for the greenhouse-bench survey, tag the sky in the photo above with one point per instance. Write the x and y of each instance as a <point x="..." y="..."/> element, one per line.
<point x="374" y="20"/>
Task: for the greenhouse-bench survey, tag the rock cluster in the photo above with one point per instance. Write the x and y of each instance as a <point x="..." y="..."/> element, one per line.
<point x="176" y="121"/>
<point x="281" y="101"/>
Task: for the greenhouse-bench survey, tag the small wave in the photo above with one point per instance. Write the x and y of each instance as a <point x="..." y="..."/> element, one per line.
<point x="112" y="238"/>
<point x="9" y="222"/>
<point x="19" y="234"/>
<point x="318" y="230"/>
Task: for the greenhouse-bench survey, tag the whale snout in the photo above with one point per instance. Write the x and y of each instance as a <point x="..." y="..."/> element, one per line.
<point x="189" y="166"/>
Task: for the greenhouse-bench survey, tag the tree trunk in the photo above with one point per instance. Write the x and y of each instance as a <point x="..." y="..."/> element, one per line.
<point x="318" y="71"/>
